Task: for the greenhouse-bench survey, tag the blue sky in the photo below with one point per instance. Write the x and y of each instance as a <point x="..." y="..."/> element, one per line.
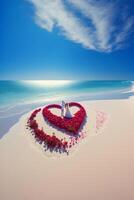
<point x="67" y="39"/>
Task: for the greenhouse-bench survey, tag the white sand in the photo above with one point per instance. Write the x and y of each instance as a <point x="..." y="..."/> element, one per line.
<point x="102" y="168"/>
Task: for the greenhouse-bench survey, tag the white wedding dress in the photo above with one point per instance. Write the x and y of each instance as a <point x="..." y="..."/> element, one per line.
<point x="68" y="113"/>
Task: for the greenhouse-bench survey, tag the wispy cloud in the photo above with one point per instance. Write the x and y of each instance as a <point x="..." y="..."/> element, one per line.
<point x="98" y="25"/>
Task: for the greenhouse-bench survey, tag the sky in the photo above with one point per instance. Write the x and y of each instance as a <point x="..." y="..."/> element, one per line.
<point x="67" y="39"/>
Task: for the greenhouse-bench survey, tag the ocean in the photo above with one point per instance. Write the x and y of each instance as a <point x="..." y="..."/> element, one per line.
<point x="19" y="97"/>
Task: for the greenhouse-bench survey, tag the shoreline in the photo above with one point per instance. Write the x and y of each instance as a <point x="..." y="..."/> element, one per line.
<point x="13" y="114"/>
<point x="94" y="102"/>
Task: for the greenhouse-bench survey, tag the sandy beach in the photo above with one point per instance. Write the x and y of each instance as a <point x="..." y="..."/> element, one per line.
<point x="101" y="167"/>
<point x="67" y="100"/>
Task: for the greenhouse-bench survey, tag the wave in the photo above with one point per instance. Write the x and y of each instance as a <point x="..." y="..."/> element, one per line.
<point x="78" y="91"/>
<point x="28" y="105"/>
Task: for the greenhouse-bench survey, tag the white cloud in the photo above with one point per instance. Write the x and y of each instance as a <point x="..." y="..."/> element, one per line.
<point x="96" y="25"/>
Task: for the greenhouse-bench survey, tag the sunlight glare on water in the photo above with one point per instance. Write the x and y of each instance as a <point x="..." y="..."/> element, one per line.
<point x="48" y="83"/>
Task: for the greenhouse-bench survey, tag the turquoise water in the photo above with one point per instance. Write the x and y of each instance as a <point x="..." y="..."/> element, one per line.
<point x="24" y="92"/>
<point x="19" y="97"/>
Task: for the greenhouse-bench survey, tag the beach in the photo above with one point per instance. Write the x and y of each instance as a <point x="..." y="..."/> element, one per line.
<point x="101" y="167"/>
<point x="67" y="100"/>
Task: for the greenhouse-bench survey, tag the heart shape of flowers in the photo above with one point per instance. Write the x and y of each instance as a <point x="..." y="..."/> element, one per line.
<point x="71" y="125"/>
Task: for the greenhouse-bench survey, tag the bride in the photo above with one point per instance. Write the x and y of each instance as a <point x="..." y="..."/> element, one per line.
<point x="67" y="112"/>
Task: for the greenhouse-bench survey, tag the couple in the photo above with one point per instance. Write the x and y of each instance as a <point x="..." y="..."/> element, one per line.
<point x="65" y="111"/>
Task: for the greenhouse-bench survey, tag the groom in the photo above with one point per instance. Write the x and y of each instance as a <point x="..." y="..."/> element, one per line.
<point x="62" y="108"/>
